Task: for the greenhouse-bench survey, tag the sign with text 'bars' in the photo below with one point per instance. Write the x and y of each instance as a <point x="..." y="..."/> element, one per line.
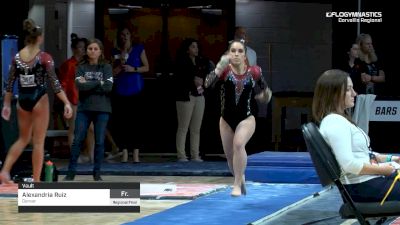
<point x="385" y="111"/>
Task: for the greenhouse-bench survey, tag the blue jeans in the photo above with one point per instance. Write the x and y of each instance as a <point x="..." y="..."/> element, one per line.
<point x="82" y="122"/>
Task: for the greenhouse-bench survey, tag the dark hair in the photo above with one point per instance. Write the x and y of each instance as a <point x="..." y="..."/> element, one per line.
<point x="119" y="31"/>
<point x="75" y="40"/>
<point x="241" y="41"/>
<point x="31" y="31"/>
<point x="102" y="59"/>
<point x="329" y="94"/>
<point x="183" y="48"/>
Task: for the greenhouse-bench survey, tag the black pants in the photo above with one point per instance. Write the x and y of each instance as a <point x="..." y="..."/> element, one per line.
<point x="375" y="189"/>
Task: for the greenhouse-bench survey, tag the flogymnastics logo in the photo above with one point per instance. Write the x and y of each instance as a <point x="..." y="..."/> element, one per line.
<point x="356" y="17"/>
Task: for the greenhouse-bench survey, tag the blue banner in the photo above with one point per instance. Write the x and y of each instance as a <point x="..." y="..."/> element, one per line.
<point x="9" y="47"/>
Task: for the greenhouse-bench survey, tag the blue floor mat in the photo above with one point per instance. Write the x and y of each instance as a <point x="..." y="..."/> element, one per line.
<point x="220" y="208"/>
<point x="266" y="167"/>
<point x="281" y="167"/>
<point x="275" y="174"/>
<point x="217" y="168"/>
<point x="281" y="159"/>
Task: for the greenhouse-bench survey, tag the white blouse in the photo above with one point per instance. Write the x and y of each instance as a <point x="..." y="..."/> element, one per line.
<point x="350" y="146"/>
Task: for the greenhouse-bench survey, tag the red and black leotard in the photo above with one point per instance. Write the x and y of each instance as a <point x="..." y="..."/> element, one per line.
<point x="33" y="77"/>
<point x="237" y="92"/>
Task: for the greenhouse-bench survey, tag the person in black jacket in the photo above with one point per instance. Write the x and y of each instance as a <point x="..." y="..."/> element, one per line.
<point x="373" y="77"/>
<point x="354" y="66"/>
<point x="190" y="74"/>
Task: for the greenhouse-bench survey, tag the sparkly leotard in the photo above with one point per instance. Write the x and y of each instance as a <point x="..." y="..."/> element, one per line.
<point x="237" y="92"/>
<point x="33" y="77"/>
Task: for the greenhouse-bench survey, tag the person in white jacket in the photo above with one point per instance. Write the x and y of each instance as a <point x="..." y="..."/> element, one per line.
<point x="367" y="175"/>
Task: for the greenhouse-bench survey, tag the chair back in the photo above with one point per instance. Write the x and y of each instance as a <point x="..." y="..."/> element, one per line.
<point x="329" y="171"/>
<point x="324" y="160"/>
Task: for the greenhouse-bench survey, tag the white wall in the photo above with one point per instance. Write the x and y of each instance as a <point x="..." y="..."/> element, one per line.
<point x="80" y="19"/>
<point x="56" y="30"/>
<point x="37" y="13"/>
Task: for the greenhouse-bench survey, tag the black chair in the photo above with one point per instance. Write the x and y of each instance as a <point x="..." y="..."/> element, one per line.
<point x="329" y="172"/>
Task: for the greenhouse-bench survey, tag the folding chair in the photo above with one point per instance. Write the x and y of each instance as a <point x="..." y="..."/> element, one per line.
<point x="329" y="172"/>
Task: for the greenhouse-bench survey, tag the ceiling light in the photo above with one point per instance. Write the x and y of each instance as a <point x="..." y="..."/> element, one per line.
<point x="130" y="6"/>
<point x="212" y="11"/>
<point x="113" y="11"/>
<point x="200" y="7"/>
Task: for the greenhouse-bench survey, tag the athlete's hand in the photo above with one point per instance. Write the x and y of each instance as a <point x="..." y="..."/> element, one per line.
<point x="222" y="64"/>
<point x="68" y="111"/>
<point x="264" y="96"/>
<point x="6" y="112"/>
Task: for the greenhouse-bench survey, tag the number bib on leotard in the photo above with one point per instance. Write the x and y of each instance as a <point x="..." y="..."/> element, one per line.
<point x="27" y="80"/>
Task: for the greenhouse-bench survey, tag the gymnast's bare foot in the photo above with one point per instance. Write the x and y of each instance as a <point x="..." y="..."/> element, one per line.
<point x="236" y="191"/>
<point x="5" y="178"/>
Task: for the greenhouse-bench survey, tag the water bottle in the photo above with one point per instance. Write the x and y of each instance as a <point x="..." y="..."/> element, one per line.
<point x="48" y="171"/>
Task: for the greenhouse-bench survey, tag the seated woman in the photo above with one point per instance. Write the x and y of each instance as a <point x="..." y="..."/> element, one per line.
<point x="367" y="175"/>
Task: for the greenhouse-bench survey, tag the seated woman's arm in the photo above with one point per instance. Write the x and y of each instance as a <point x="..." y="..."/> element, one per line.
<point x="385" y="157"/>
<point x="336" y="130"/>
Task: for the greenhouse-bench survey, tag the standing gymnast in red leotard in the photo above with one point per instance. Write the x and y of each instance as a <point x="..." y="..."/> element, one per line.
<point x="237" y="123"/>
<point x="33" y="69"/>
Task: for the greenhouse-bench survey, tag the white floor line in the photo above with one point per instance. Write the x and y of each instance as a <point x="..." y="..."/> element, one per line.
<point x="264" y="219"/>
<point x="349" y="222"/>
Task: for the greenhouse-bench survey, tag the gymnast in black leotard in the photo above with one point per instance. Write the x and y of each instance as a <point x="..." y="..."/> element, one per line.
<point x="32" y="77"/>
<point x="236" y="94"/>
<point x="33" y="69"/>
<point x="240" y="83"/>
